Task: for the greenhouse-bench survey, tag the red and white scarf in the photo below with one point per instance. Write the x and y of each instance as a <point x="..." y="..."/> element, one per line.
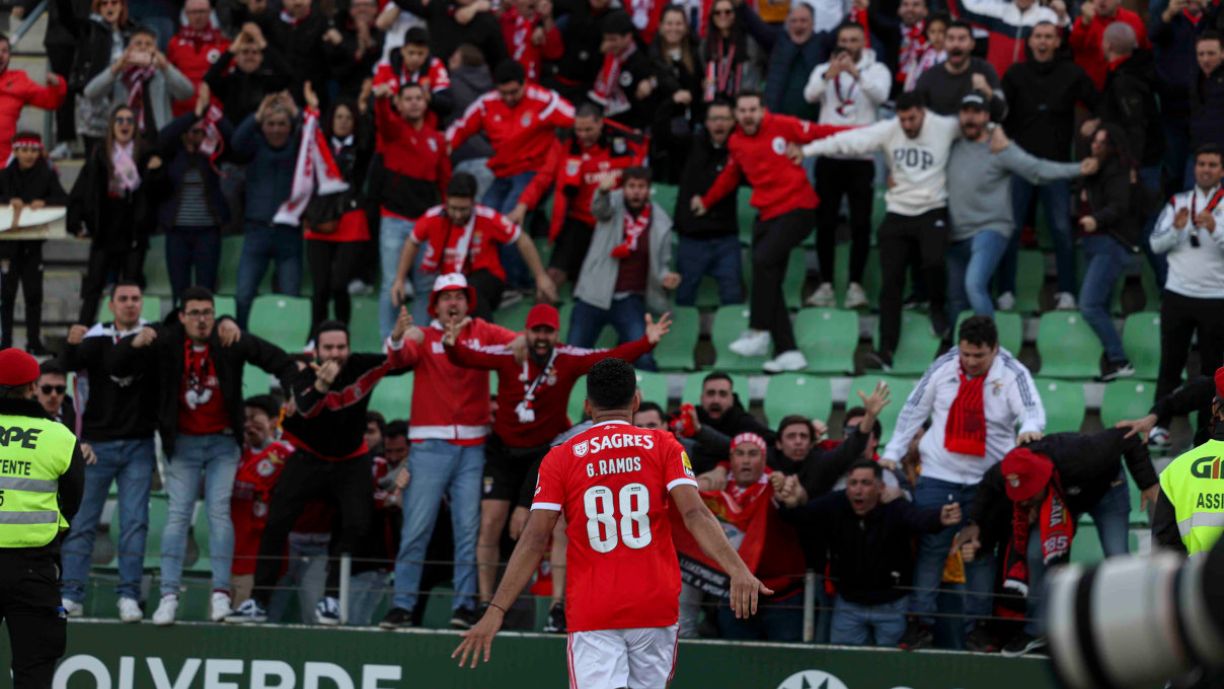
<point x="1056" y="527"/>
<point x="723" y="73"/>
<point x="634" y="228"/>
<point x="136" y="79"/>
<point x="609" y="89"/>
<point x="913" y="43"/>
<point x="125" y="176"/>
<point x="965" y="430"/>
<point x="213" y="142"/>
<point x="316" y="171"/>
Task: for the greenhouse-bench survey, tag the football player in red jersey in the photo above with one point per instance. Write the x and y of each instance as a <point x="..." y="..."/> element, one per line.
<point x="613" y="483"/>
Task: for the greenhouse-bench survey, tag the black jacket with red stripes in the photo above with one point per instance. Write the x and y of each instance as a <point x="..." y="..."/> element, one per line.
<point x="332" y="425"/>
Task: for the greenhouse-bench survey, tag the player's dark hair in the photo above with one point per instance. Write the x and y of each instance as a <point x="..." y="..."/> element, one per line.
<point x="979" y="331"/>
<point x="197" y="293"/>
<point x="396" y="429"/>
<point x="462" y="185"/>
<point x="717" y="375"/>
<point x="508" y="72"/>
<point x="611" y="384"/>
<point x="796" y="420"/>
<point x="417" y="35"/>
<point x="264" y="403"/>
<point x="910" y="100"/>
<point x="864" y="463"/>
<point x="858" y="412"/>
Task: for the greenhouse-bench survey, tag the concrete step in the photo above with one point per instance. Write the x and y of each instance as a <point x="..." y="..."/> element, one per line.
<point x="66" y="252"/>
<point x="69" y="169"/>
<point x="61" y="298"/>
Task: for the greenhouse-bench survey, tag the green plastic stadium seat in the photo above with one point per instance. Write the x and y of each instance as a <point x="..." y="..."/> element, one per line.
<point x="282" y="320"/>
<point x="729" y="322"/>
<point x="692" y="388"/>
<point x="899" y="388"/>
<point x="227" y="274"/>
<point x="1009" y="324"/>
<point x="827" y="338"/>
<point x="392" y="397"/>
<point x="918" y="346"/>
<point x="1063" y="401"/>
<point x="225" y="305"/>
<point x="675" y="351"/>
<point x="1068" y="347"/>
<point x="1126" y="399"/>
<point x="796" y="275"/>
<point x="1086" y="546"/>
<point x="1141" y="341"/>
<point x="653" y="387"/>
<point x="664" y="196"/>
<point x="364" y="326"/>
<point x="156" y="272"/>
<point x="795" y="393"/>
<point x="255" y="381"/>
<point x="1030" y="278"/>
<point x="514" y="316"/>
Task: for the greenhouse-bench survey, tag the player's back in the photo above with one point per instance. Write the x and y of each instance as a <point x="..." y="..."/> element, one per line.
<point x="612" y="482"/>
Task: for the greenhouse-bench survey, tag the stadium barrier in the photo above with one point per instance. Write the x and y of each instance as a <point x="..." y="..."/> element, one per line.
<point x="110" y="655"/>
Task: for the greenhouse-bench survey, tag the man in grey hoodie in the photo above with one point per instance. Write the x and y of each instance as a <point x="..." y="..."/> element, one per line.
<point x="979" y="202"/>
<point x="627" y="267"/>
<point x="471" y="79"/>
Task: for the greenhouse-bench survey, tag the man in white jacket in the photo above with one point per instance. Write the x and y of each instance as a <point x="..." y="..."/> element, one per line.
<point x="975" y="396"/>
<point x="916" y="145"/>
<point x="850" y="88"/>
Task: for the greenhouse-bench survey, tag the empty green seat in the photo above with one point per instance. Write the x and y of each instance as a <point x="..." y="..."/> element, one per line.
<point x="156" y="272"/>
<point x="653" y="387"/>
<point x="692" y="388"/>
<point x="1009" y="324"/>
<point x="675" y="351"/>
<point x="899" y="389"/>
<point x="1068" y="346"/>
<point x="255" y="381"/>
<point x="1030" y="278"/>
<point x="1086" y="546"/>
<point x="282" y="320"/>
<point x="1126" y="399"/>
<point x="1063" y="401"/>
<point x="729" y="323"/>
<point x="514" y="316"/>
<point x="392" y="397"/>
<point x="827" y="338"/>
<point x="1141" y="342"/>
<point x="918" y="345"/>
<point x="664" y="196"/>
<point x="796" y="393"/>
<point x="225" y="305"/>
<point x="363" y="326"/>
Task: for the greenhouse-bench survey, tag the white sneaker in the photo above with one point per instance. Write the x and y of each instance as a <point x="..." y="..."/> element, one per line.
<point x="220" y="608"/>
<point x="327" y="611"/>
<point x="72" y="608"/>
<point x="1064" y="301"/>
<point x="1158" y="439"/>
<point x="1006" y="301"/>
<point x="129" y="610"/>
<point x="786" y="361"/>
<point x="856" y="296"/>
<point x="751" y="343"/>
<point x="166" y="611"/>
<point x="823" y="297"/>
<point x="61" y="151"/>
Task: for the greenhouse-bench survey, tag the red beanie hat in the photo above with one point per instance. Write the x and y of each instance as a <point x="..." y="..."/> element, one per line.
<point x="1025" y="473"/>
<point x="17" y="368"/>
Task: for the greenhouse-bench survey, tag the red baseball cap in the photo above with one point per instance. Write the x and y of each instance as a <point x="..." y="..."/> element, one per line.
<point x="447" y="283"/>
<point x="1219" y="380"/>
<point x="543" y="315"/>
<point x="17" y="368"/>
<point x="1025" y="473"/>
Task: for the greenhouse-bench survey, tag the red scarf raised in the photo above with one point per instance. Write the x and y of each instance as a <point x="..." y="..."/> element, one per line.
<point x="609" y="91"/>
<point x="965" y="431"/>
<point x="634" y="227"/>
<point x="1057" y="528"/>
<point x="135" y="79"/>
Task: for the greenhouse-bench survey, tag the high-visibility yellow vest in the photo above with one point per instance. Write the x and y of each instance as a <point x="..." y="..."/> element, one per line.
<point x="1194" y="485"/>
<point x="34" y="453"/>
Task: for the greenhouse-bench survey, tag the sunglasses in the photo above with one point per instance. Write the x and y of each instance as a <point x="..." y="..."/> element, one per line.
<point x="125" y="119"/>
<point x="57" y="389"/>
<point x="723" y="13"/>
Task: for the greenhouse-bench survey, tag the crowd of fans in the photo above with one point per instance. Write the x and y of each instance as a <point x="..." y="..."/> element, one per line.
<point x="418" y="145"/>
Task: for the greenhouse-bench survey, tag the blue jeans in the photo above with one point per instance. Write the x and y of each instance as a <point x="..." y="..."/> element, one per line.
<point x="1056" y="200"/>
<point x="192" y="247"/>
<point x="368" y="589"/>
<point x="860" y="625"/>
<point x="129" y="463"/>
<point x="214" y="458"/>
<point x="971" y="265"/>
<point x="627" y="316"/>
<point x="392" y="233"/>
<point x="719" y="258"/>
<point x="261" y="245"/>
<point x="933" y="551"/>
<point x="305" y="576"/>
<point x="775" y="621"/>
<point x="503" y="196"/>
<point x="1112" y="518"/>
<point x="1106" y="259"/>
<point x="440" y="468"/>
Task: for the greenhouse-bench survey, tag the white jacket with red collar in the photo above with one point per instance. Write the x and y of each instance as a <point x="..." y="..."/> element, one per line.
<point x="449" y="402"/>
<point x="521" y="136"/>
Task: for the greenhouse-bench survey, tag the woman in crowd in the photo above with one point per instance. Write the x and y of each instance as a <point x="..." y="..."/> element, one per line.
<point x="110" y="205"/>
<point x="724" y="53"/>
<point x="1111" y="240"/>
<point x="678" y="66"/>
<point x="100" y="41"/>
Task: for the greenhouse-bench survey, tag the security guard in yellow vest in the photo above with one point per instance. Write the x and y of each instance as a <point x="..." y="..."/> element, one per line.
<point x="42" y="476"/>
<point x="1190" y="511"/>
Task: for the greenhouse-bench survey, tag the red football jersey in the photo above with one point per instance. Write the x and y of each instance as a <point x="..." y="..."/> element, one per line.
<point x="613" y="483"/>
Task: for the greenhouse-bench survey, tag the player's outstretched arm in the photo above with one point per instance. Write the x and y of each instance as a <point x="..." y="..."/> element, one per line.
<point x="532" y="545"/>
<point x="745" y="587"/>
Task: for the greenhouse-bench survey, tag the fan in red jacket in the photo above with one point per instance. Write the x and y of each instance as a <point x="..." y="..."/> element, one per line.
<point x="263" y="458"/>
<point x="575" y="165"/>
<point x="530" y="34"/>
<point x="195" y="48"/>
<point x="532" y="396"/>
<point x="520" y="120"/>
<point x="785" y="203"/>
<point x="17" y="90"/>
<point x="1089" y="29"/>
<point x="412" y="64"/>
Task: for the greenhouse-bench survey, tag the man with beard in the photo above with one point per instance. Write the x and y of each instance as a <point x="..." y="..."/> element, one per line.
<point x="532" y="396"/>
<point x="720" y="411"/>
<point x="945" y="85"/>
<point x="331" y="461"/>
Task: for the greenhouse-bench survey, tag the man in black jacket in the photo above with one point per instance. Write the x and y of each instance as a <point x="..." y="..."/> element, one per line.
<point x="332" y="461"/>
<point x="722" y="411"/>
<point x="869" y="548"/>
<point x="1193" y="395"/>
<point x="709" y="244"/>
<point x="579" y="22"/>
<point x="1207" y="94"/>
<point x="1088" y="470"/>
<point x="1042" y="93"/>
<point x="626" y="84"/>
<point x="200" y="418"/>
<point x="246" y="73"/>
